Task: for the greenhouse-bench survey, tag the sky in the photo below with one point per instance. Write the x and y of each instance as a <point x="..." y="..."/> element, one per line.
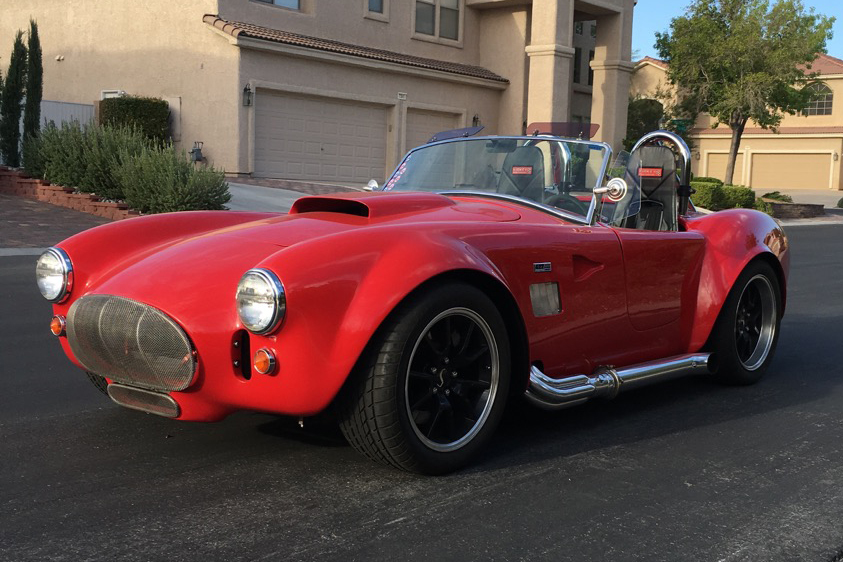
<point x="653" y="16"/>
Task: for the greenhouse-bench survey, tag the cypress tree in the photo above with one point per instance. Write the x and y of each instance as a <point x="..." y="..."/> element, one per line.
<point x="11" y="104"/>
<point x="34" y="84"/>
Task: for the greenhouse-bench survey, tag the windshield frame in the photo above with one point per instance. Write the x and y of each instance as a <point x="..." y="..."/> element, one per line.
<point x="588" y="219"/>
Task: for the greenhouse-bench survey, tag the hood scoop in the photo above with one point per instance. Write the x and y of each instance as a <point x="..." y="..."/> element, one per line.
<point x="371" y="205"/>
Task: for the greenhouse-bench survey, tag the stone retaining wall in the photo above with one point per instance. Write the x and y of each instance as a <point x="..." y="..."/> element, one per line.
<point x="14" y="182"/>
<point x="782" y="210"/>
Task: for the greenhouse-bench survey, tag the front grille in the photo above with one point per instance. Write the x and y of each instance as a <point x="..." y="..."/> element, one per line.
<point x="130" y="342"/>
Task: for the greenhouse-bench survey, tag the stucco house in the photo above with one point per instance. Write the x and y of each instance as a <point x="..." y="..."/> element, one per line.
<point x="337" y="91"/>
<point x="803" y="153"/>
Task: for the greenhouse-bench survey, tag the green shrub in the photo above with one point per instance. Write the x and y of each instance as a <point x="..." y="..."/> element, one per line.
<point x="62" y="150"/>
<point x="840" y="204"/>
<point x="708" y="195"/>
<point x="738" y="197"/>
<point x="708" y="180"/>
<point x="150" y="115"/>
<point x="103" y="151"/>
<point x="617" y="172"/>
<point x="778" y="197"/>
<point x="161" y="179"/>
<point x="763" y="206"/>
<point x="33" y="163"/>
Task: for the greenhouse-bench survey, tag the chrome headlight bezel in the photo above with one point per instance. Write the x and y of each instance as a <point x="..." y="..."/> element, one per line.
<point x="278" y="301"/>
<point x="65" y="270"/>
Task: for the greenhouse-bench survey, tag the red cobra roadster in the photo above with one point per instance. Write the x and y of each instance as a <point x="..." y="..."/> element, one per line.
<point x="486" y="269"/>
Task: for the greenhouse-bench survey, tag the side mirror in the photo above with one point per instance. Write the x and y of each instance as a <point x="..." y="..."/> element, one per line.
<point x="372" y="186"/>
<point x="615" y="190"/>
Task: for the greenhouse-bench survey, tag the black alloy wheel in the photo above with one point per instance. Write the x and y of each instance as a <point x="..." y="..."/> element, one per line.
<point x="746" y="332"/>
<point x="431" y="389"/>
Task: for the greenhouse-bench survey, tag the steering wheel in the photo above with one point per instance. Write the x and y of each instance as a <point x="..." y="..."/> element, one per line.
<point x="567" y="202"/>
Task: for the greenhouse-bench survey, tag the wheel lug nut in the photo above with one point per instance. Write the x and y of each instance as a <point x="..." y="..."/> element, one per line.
<point x="454" y="374"/>
<point x="435" y="390"/>
<point x="446" y="361"/>
<point x="447" y="392"/>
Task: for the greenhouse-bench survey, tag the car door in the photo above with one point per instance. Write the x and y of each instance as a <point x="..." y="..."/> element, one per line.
<point x="661" y="277"/>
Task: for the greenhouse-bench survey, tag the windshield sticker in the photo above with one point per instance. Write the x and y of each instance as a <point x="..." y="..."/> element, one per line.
<point x="522" y="170"/>
<point x="650" y="172"/>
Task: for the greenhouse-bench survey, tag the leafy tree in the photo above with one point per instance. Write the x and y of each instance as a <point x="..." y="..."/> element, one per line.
<point x="643" y="115"/>
<point x="34" y="84"/>
<point x="11" y="103"/>
<point x="743" y="59"/>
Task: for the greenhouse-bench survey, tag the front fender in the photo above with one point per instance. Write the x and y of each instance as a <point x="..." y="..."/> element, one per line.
<point x="338" y="295"/>
<point x="733" y="239"/>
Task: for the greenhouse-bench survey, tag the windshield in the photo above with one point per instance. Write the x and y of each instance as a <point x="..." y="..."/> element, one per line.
<point x="546" y="170"/>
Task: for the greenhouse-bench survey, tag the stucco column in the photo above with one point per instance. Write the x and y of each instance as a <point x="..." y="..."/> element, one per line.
<point x="612" y="74"/>
<point x="551" y="54"/>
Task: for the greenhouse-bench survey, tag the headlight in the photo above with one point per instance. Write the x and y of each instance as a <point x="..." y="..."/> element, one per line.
<point x="54" y="274"/>
<point x="261" y="302"/>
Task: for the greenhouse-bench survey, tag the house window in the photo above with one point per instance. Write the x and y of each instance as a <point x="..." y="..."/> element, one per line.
<point x="376" y="6"/>
<point x="821" y="101"/>
<point x="577" y="65"/>
<point x="292" y="4"/>
<point x="438" y="18"/>
<point x="590" y="70"/>
<point x="578" y="28"/>
<point x="593" y="31"/>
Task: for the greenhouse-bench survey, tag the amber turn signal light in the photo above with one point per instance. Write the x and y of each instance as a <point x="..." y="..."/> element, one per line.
<point x="264" y="362"/>
<point x="58" y="325"/>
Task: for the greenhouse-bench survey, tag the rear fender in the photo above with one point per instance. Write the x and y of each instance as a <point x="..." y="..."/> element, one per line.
<point x="337" y="301"/>
<point x="733" y="239"/>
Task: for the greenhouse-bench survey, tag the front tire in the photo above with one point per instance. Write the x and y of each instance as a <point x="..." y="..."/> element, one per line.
<point x="747" y="330"/>
<point x="432" y="387"/>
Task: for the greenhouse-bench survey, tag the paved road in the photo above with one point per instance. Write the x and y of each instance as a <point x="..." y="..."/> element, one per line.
<point x="685" y="471"/>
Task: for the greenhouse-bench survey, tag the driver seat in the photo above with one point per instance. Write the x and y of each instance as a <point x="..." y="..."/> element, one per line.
<point x="522" y="173"/>
<point x="653" y="168"/>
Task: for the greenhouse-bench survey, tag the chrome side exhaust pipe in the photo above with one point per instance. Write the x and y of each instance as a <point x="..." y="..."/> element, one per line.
<point x="607" y="382"/>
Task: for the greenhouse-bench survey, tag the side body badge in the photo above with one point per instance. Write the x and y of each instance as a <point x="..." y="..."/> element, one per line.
<point x="542" y="267"/>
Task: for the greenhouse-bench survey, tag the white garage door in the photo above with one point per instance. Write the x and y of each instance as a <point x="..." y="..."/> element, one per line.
<point x="421" y="125"/>
<point x="317" y="139"/>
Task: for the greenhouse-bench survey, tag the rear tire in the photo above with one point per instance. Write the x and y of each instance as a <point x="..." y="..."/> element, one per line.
<point x="747" y="330"/>
<point x="432" y="386"/>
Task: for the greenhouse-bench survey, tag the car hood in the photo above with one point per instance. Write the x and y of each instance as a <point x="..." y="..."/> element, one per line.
<point x="180" y="275"/>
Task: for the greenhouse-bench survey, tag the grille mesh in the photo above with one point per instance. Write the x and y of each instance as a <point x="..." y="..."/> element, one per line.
<point x="130" y="342"/>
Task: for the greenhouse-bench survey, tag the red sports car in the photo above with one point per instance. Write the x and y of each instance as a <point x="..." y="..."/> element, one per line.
<point x="487" y="269"/>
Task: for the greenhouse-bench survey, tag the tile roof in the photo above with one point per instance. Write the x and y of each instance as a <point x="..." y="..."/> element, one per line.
<point x="826" y="64"/>
<point x="658" y="62"/>
<point x="781" y="130"/>
<point x="241" y="29"/>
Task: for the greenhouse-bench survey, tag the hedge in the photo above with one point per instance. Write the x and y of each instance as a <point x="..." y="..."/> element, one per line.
<point x="708" y="195"/>
<point x="738" y="197"/>
<point x="715" y="197"/>
<point x="121" y="164"/>
<point x="150" y="115"/>
<point x="161" y="179"/>
<point x="706" y="179"/>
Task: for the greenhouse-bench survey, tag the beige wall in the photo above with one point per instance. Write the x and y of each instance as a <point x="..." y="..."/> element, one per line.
<point x="343" y="20"/>
<point x="302" y="76"/>
<point x="161" y="50"/>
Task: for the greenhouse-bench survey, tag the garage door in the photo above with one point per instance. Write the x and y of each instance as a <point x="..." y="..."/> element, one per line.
<point x="317" y="139"/>
<point x="717" y="166"/>
<point x="421" y="125"/>
<point x="791" y="171"/>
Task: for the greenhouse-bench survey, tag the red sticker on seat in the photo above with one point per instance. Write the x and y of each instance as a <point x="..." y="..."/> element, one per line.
<point x="650" y="172"/>
<point x="522" y="170"/>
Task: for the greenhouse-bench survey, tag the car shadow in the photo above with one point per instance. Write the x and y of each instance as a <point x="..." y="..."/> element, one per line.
<point x="803" y="370"/>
